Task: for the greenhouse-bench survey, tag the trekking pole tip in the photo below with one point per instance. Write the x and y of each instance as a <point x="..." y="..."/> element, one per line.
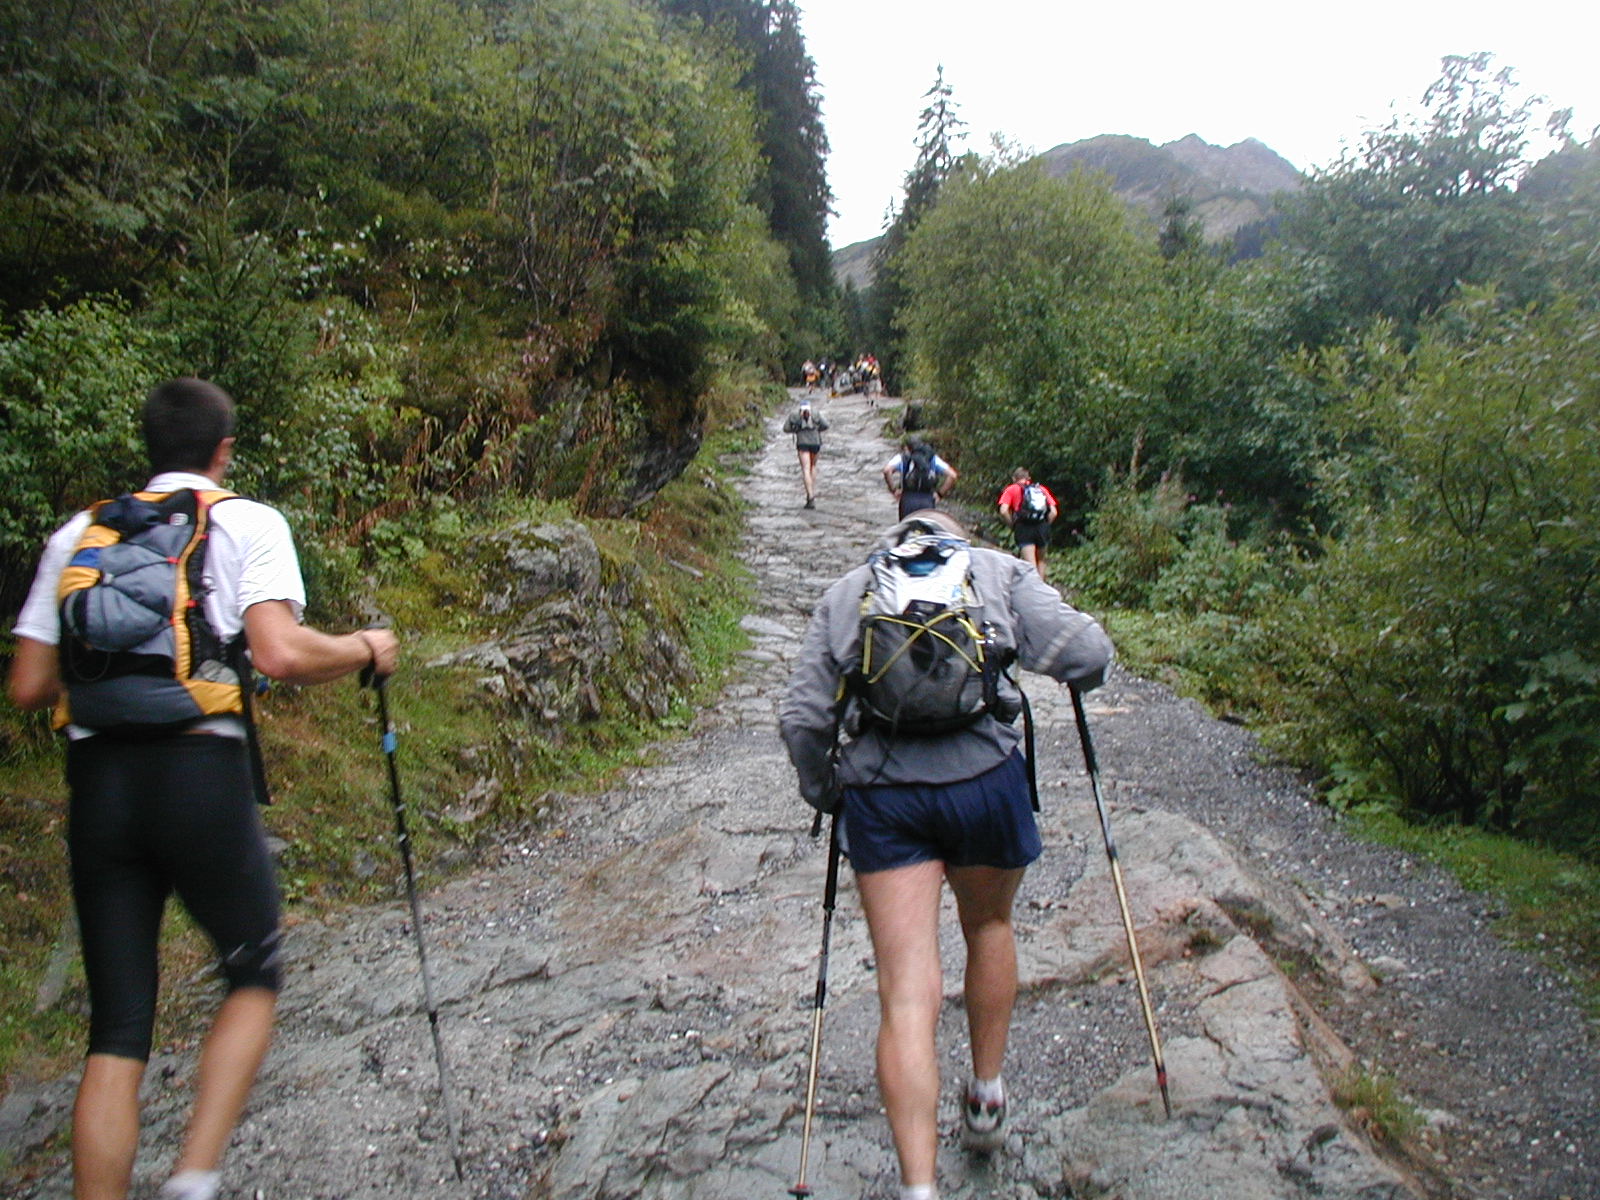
<point x="800" y="1191"/>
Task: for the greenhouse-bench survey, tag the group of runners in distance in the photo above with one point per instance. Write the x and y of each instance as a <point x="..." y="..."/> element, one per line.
<point x="918" y="479"/>
<point x="169" y="806"/>
<point x="864" y="375"/>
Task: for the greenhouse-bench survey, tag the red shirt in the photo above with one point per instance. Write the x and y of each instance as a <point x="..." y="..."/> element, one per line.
<point x="1011" y="498"/>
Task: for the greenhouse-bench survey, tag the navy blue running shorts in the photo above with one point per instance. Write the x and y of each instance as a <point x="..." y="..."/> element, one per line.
<point x="986" y="821"/>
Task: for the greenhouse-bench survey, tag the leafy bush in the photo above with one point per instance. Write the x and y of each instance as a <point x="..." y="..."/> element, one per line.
<point x="71" y="383"/>
<point x="1216" y="572"/>
<point x="1158" y="549"/>
<point x="1446" y="649"/>
<point x="1132" y="536"/>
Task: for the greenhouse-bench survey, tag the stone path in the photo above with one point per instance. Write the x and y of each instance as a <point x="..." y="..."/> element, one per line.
<point x="626" y="997"/>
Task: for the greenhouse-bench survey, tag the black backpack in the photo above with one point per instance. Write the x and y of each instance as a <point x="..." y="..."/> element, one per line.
<point x="916" y="471"/>
<point x="927" y="666"/>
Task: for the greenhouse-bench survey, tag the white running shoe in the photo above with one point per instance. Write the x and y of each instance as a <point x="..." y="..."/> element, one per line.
<point x="983" y="1122"/>
<point x="192" y="1185"/>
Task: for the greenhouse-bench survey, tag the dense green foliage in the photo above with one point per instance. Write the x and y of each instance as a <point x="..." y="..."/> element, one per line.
<point x="1060" y="340"/>
<point x="1447" y="646"/>
<point x="1420" y="207"/>
<point x="792" y="188"/>
<point x="1359" y="472"/>
<point x="432" y="248"/>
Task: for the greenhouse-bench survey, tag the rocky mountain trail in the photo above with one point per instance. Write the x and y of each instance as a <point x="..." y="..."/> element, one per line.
<point x="625" y="995"/>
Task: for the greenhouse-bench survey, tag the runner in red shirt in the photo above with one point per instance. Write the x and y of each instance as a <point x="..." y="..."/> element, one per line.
<point x="1029" y="508"/>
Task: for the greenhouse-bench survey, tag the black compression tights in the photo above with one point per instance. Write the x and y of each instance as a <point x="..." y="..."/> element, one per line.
<point x="149" y="819"/>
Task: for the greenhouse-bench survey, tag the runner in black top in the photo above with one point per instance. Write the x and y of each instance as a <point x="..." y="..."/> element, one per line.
<point x="918" y="477"/>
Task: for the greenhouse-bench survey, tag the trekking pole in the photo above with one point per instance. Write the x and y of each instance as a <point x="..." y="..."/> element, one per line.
<point x="1122" y="899"/>
<point x="379" y="683"/>
<point x="830" y="891"/>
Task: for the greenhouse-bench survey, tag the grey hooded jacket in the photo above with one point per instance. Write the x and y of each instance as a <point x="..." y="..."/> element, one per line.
<point x="1028" y="615"/>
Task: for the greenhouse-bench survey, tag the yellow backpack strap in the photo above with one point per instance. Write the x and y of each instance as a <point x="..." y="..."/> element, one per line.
<point x="237" y="655"/>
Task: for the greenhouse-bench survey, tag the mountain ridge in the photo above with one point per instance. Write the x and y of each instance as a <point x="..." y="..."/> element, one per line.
<point x="1229" y="188"/>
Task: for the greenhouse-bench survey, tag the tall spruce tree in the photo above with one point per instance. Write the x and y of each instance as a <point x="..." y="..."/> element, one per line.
<point x="781" y="77"/>
<point x="938" y="132"/>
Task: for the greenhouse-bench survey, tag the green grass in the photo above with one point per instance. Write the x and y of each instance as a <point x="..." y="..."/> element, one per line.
<point x="1373" y="1102"/>
<point x="1552" y="899"/>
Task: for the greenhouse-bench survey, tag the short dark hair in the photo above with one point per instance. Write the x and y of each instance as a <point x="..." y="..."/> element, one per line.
<point x="185" y="420"/>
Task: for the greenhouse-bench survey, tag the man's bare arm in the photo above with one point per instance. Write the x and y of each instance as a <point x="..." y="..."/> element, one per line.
<point x="282" y="648"/>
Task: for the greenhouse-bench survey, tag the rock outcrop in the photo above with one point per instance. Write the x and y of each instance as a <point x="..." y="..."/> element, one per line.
<point x="573" y="641"/>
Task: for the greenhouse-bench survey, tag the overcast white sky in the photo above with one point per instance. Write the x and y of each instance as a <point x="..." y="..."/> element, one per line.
<point x="1300" y="78"/>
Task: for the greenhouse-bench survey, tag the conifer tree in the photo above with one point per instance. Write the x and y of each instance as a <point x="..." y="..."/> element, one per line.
<point x="782" y="79"/>
<point x="938" y="131"/>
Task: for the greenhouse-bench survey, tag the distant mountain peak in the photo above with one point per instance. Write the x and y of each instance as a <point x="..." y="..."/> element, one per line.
<point x="1228" y="187"/>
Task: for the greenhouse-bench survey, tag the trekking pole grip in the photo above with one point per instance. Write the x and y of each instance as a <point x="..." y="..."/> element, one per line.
<point x="370" y="676"/>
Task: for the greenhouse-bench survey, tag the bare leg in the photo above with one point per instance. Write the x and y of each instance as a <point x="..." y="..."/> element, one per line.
<point x="984" y="896"/>
<point x="1030" y="555"/>
<point x="105" y="1127"/>
<point x="229" y="1061"/>
<point x="902" y="909"/>
<point x="808" y="471"/>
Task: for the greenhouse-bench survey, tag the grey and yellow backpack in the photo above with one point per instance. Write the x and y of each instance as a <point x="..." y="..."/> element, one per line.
<point x="928" y="664"/>
<point x="139" y="657"/>
<point x="137" y="651"/>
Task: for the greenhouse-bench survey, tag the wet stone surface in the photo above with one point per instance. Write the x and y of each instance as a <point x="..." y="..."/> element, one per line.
<point x="626" y="994"/>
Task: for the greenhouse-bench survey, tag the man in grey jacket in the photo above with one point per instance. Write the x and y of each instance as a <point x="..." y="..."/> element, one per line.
<point x="916" y="811"/>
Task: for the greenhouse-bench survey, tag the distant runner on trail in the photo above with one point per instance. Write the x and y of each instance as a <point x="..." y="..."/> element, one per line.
<point x="933" y="799"/>
<point x="807" y="425"/>
<point x="163" y="793"/>
<point x="1030" y="509"/>
<point x="917" y="476"/>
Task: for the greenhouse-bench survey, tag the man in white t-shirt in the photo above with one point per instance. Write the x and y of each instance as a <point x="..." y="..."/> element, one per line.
<point x="917" y="477"/>
<point x="174" y="810"/>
